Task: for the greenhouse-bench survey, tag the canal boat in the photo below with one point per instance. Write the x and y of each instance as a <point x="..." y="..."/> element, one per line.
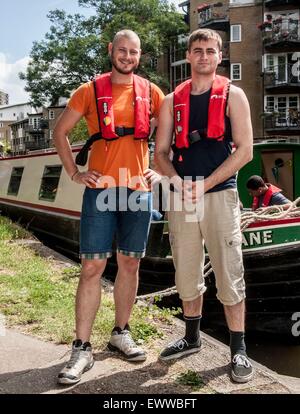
<point x="36" y="191"/>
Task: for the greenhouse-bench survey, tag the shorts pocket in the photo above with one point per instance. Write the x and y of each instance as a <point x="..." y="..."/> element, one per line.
<point x="233" y="240"/>
<point x="234" y="254"/>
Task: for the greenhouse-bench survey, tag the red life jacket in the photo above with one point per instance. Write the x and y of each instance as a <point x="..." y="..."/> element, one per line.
<point x="216" y="111"/>
<point x="267" y="197"/>
<point x="142" y="107"/>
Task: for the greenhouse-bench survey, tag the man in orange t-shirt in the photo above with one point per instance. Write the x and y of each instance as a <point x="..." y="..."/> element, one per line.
<point x="118" y="174"/>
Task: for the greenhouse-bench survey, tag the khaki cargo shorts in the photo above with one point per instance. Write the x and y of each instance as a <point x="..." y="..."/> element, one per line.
<point x="219" y="227"/>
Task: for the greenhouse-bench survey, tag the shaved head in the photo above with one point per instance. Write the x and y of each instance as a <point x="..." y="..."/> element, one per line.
<point x="128" y="34"/>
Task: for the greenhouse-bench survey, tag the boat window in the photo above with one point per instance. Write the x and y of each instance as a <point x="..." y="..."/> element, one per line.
<point x="15" y="181"/>
<point x="50" y="182"/>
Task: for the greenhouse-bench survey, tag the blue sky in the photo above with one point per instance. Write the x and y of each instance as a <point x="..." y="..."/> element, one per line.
<point x="23" y="22"/>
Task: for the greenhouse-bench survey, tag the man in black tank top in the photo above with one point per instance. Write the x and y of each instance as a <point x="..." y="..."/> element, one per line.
<point x="211" y="165"/>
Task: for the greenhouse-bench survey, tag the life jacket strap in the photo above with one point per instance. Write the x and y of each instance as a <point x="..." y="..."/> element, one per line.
<point x="82" y="156"/>
<point x="122" y="131"/>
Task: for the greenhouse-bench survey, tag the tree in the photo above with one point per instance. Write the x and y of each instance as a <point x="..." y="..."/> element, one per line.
<point x="75" y="49"/>
<point x="79" y="133"/>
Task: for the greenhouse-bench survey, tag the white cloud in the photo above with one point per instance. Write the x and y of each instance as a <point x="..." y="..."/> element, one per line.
<point x="10" y="81"/>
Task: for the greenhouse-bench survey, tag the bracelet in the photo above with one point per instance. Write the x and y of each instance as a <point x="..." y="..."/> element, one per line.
<point x="72" y="177"/>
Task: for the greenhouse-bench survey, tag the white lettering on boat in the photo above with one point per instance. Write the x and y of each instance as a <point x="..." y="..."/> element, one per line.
<point x="257" y="238"/>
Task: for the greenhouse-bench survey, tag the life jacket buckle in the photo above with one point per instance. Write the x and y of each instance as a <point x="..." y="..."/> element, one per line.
<point x="194" y="136"/>
<point x="120" y="130"/>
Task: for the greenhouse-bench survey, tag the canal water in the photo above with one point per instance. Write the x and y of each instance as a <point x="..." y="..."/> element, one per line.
<point x="271" y="351"/>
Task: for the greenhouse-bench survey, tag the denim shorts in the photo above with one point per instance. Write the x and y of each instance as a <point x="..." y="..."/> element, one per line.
<point x="117" y="215"/>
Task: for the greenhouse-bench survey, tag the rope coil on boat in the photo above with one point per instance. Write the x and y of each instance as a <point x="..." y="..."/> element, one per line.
<point x="271" y="213"/>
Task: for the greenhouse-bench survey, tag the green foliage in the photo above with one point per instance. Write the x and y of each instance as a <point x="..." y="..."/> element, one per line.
<point x="71" y="272"/>
<point x="11" y="231"/>
<point x="41" y="299"/>
<point x="191" y="379"/>
<point x="75" y="49"/>
<point x="79" y="133"/>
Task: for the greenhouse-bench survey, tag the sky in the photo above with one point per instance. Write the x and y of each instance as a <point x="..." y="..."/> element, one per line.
<point x="22" y="23"/>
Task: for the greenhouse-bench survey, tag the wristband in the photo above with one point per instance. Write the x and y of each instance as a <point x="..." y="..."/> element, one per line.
<point x="72" y="177"/>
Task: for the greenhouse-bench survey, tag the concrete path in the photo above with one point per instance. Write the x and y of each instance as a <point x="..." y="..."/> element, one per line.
<point x="30" y="366"/>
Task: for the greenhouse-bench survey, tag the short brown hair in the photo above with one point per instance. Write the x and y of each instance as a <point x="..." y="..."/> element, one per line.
<point x="204" y="34"/>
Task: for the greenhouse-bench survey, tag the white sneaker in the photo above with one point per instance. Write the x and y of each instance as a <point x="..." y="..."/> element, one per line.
<point x="81" y="361"/>
<point x="121" y="341"/>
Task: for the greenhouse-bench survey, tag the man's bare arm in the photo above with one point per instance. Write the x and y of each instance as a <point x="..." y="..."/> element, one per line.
<point x="64" y="125"/>
<point x="240" y="118"/>
<point x="164" y="138"/>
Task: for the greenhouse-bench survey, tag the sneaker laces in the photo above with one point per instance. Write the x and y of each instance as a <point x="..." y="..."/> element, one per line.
<point x="241" y="360"/>
<point x="128" y="341"/>
<point x="179" y="345"/>
<point x="75" y="356"/>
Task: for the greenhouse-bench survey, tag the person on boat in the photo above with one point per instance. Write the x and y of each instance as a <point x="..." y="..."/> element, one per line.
<point x="265" y="194"/>
<point x="205" y="114"/>
<point x="118" y="170"/>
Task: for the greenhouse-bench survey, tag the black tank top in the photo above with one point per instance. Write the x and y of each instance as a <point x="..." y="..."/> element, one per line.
<point x="202" y="158"/>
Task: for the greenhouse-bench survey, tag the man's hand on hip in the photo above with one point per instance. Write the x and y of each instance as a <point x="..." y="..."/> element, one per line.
<point x="88" y="178"/>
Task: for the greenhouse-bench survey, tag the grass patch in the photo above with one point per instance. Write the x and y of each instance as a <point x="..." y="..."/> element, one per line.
<point x="191" y="379"/>
<point x="39" y="297"/>
<point x="12" y="231"/>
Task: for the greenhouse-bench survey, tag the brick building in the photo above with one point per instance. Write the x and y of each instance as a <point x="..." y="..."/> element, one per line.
<point x="261" y="54"/>
<point x="35" y="132"/>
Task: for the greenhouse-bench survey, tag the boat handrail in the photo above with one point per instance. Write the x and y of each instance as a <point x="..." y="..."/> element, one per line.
<point x="277" y="140"/>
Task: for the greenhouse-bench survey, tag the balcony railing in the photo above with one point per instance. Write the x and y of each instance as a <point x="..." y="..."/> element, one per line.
<point x="214" y="16"/>
<point x="271" y="3"/>
<point x="285" y="120"/>
<point x="282" y="76"/>
<point x="281" y="31"/>
<point x="33" y="129"/>
<point x="36" y="145"/>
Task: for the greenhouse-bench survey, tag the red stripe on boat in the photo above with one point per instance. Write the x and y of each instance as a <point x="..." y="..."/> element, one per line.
<point x="41" y="207"/>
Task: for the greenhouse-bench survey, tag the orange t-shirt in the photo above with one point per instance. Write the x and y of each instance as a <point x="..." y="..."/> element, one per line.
<point x="108" y="157"/>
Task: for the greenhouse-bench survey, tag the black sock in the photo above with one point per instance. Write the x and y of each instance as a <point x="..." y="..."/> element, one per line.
<point x="78" y="343"/>
<point x="119" y="330"/>
<point x="237" y="343"/>
<point x="192" y="328"/>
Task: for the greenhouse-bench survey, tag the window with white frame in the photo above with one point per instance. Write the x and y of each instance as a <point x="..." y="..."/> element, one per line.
<point x="236" y="71"/>
<point x="180" y="71"/>
<point x="241" y="1"/>
<point x="36" y="123"/>
<point x="236" y="33"/>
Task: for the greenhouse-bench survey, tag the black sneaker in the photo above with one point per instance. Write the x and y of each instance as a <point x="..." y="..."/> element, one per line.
<point x="241" y="368"/>
<point x="179" y="348"/>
